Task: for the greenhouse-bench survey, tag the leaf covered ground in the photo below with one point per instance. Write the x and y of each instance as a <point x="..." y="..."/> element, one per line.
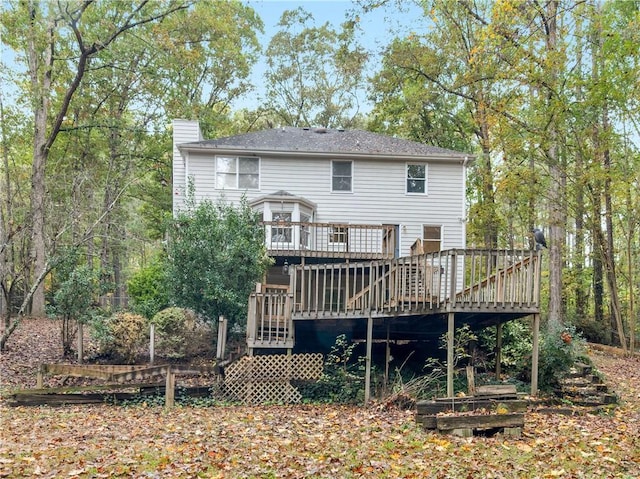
<point x="315" y="441"/>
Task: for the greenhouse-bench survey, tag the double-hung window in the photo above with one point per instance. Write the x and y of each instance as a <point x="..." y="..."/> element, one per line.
<point x="342" y="176"/>
<point x="416" y="178"/>
<point x="237" y="173"/>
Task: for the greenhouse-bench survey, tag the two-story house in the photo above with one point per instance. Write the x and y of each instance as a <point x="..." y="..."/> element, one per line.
<point x="355" y="194"/>
<point x="367" y="232"/>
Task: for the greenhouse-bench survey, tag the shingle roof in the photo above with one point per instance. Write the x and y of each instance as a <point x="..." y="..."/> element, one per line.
<point x="324" y="140"/>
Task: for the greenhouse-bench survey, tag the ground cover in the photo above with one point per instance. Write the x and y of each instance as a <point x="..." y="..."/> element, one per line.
<point x="304" y="441"/>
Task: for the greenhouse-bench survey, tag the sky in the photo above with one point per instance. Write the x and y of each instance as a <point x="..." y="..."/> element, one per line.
<point x="377" y="26"/>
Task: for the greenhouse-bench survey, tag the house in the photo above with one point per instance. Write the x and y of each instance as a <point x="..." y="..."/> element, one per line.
<point x="367" y="232"/>
<point x="351" y="194"/>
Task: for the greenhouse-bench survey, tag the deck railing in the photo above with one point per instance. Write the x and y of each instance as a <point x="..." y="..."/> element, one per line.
<point x="330" y="240"/>
<point x="477" y="281"/>
<point x="269" y="322"/>
<point x="421" y="283"/>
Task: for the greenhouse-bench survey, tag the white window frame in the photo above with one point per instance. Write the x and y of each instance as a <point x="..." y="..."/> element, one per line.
<point x="236" y="172"/>
<point x="339" y="234"/>
<point x="425" y="178"/>
<point x="333" y="190"/>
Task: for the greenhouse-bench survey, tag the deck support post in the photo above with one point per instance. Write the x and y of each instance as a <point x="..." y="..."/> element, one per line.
<point x="387" y="359"/>
<point x="450" y="338"/>
<point x="535" y="354"/>
<point x="222" y="337"/>
<point x="367" y="377"/>
<point x="498" y="350"/>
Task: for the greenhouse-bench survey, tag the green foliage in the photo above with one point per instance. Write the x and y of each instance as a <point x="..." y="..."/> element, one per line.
<point x="122" y="335"/>
<point x="147" y="289"/>
<point x="313" y="71"/>
<point x="76" y="287"/>
<point x="516" y="345"/>
<point x="179" y="333"/>
<point x="216" y="255"/>
<point x="462" y="339"/>
<point x="560" y="347"/>
<point x="342" y="380"/>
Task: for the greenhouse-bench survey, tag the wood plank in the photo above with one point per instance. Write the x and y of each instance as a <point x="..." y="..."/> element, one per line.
<point x="496" y="389"/>
<point x="79" y="389"/>
<point x="485" y="421"/>
<point x="435" y="407"/>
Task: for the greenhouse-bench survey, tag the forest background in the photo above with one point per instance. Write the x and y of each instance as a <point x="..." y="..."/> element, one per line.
<point x="545" y="93"/>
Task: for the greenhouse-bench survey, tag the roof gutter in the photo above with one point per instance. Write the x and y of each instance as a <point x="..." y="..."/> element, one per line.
<point x="323" y="154"/>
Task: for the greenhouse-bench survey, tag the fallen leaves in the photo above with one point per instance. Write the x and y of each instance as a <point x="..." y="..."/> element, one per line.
<point x="315" y="441"/>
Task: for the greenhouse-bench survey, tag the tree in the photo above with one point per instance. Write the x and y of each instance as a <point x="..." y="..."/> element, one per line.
<point x="104" y="79"/>
<point x="74" y="298"/>
<point x="216" y="255"/>
<point x="58" y="41"/>
<point x="314" y="73"/>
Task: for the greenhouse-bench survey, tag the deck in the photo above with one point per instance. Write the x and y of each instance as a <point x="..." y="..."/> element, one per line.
<point x="330" y="240"/>
<point x="412" y="295"/>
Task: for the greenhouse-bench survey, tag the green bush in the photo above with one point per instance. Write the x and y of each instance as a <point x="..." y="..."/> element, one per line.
<point x="122" y="335"/>
<point x="147" y="289"/>
<point x="516" y="346"/>
<point x="179" y="333"/>
<point x="560" y="348"/>
<point x="342" y="380"/>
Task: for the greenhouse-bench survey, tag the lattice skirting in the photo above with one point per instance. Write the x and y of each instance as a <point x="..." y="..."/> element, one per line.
<point x="267" y="378"/>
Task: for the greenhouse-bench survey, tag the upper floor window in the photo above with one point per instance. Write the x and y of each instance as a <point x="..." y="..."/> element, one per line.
<point x="431" y="238"/>
<point x="416" y="178"/>
<point x="341" y="176"/>
<point x="237" y="173"/>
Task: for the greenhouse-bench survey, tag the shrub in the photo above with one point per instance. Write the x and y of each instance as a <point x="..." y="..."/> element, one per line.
<point x="516" y="345"/>
<point x="342" y="380"/>
<point x="122" y="335"/>
<point x="180" y="333"/>
<point x="148" y="290"/>
<point x="560" y="347"/>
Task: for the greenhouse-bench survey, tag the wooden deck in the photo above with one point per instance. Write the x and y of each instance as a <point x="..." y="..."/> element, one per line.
<point x="476" y="283"/>
<point x="330" y="240"/>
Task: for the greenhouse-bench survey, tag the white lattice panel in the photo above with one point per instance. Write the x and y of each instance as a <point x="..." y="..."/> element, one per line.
<point x="259" y="379"/>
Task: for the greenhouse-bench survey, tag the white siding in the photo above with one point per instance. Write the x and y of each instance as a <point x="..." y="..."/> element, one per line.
<point x="378" y="195"/>
<point x="184" y="131"/>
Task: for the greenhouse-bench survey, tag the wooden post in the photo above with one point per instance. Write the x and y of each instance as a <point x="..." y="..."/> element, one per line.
<point x="222" y="337"/>
<point x="80" y="342"/>
<point x="387" y="359"/>
<point x="39" y="377"/>
<point x="498" y="350"/>
<point x="471" y="381"/>
<point x="450" y="338"/>
<point x="169" y="393"/>
<point x="535" y="355"/>
<point x="152" y="343"/>
<point x="367" y="377"/>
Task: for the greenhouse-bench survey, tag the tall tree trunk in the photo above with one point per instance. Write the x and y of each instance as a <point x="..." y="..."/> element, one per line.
<point x="486" y="177"/>
<point x="557" y="211"/>
<point x="40" y="77"/>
